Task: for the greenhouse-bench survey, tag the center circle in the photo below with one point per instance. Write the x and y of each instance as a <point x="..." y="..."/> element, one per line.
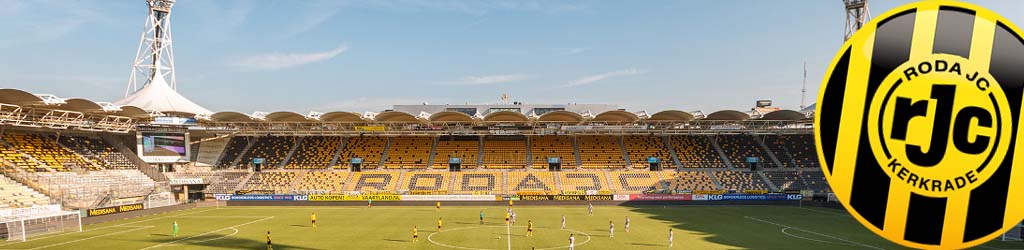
<point x="582" y="238"/>
<point x="936" y="124"/>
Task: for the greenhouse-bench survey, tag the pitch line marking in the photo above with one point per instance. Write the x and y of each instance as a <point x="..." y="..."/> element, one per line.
<point x="209" y="232"/>
<point x="99" y="228"/>
<point x="431" y="240"/>
<point x="93" y="237"/>
<point x="817" y="233"/>
<point x="810" y="239"/>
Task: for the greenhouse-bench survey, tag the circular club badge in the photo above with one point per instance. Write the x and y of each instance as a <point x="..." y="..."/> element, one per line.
<point x="917" y="125"/>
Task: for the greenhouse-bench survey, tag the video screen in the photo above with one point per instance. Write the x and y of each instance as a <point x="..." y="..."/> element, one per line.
<point x="163" y="144"/>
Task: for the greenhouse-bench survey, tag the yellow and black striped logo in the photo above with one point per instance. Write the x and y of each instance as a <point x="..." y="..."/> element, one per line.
<point x="917" y="123"/>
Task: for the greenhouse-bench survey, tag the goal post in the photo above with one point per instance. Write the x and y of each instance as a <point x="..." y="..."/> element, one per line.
<point x="20" y="226"/>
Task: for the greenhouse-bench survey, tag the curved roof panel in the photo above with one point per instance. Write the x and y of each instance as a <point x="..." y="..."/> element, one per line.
<point x="395" y="116"/>
<point x="671" y="115"/>
<point x="19" y="97"/>
<point x="787" y="115"/>
<point x="341" y="116"/>
<point x="286" y="116"/>
<point x="560" y="116"/>
<point x="615" y="116"/>
<point x="132" y="111"/>
<point x="231" y="116"/>
<point x="450" y="116"/>
<point x="81" y="105"/>
<point x="728" y="115"/>
<point x="505" y="116"/>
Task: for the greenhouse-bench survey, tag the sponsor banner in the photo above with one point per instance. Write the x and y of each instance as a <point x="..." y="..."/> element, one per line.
<point x="448" y="197"/>
<point x="576" y="192"/>
<point x="222" y="197"/>
<point x="187" y="181"/>
<point x="620" y="197"/>
<point x="660" y="197"/>
<point x="565" y="197"/>
<point x="369" y="128"/>
<point x="428" y="192"/>
<point x="708" y="191"/>
<point x="262" y="197"/>
<point x="755" y="191"/>
<point x="700" y="197"/>
<point x="361" y="197"/>
<point x="114" y="209"/>
<point x="29" y="210"/>
<point x="768" y="197"/>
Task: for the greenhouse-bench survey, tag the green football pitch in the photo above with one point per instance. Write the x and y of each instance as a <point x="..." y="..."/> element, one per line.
<point x="378" y="228"/>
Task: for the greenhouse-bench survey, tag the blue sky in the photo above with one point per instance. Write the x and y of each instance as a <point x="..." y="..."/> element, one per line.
<point x="367" y="55"/>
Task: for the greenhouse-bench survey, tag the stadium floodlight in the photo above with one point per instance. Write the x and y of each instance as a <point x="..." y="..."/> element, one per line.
<point x="155" y="57"/>
<point x="856" y="15"/>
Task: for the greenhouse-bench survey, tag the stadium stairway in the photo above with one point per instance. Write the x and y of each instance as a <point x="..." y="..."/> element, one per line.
<point x="576" y="153"/>
<point x="721" y="153"/>
<point x="337" y="154"/>
<point x="248" y="146"/>
<point x="768" y="151"/>
<point x="529" y="153"/>
<point x="141" y="165"/>
<point x="433" y="152"/>
<point x="666" y="141"/>
<point x="771" y="184"/>
<point x="384" y="155"/>
<point x="298" y="141"/>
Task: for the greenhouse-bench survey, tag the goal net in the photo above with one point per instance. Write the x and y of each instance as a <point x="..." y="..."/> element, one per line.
<point x="1015" y="233"/>
<point x="21" y="223"/>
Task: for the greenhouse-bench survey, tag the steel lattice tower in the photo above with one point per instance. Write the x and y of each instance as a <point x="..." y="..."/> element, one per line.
<point x="155" y="58"/>
<point x="856" y="15"/>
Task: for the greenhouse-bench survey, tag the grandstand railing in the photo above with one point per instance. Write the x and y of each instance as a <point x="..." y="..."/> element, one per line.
<point x="62" y="119"/>
<point x="263" y="128"/>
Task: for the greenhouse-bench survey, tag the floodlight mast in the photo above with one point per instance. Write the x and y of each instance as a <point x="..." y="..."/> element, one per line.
<point x="856" y="15"/>
<point x="155" y="57"/>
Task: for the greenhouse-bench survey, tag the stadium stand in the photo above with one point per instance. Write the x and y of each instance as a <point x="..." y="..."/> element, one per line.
<point x="543" y="147"/>
<point x="785" y="180"/>
<point x="373" y="182"/>
<point x="322" y="182"/>
<point x="477" y="182"/>
<point x="738" y="147"/>
<point x="641" y="147"/>
<point x="272" y="148"/>
<point x="798" y="150"/>
<point x="634" y="182"/>
<point x="424" y="182"/>
<point x="22" y="161"/>
<point x="464" y="147"/>
<point x="696" y="151"/>
<point x="740" y="181"/>
<point x="226" y="182"/>
<point x="89" y="189"/>
<point x="600" y="152"/>
<point x="14" y="194"/>
<point x="815" y="180"/>
<point x="314" y="152"/>
<point x="46" y="151"/>
<point x="690" y="181"/>
<point x="538" y="181"/>
<point x="408" y="152"/>
<point x="97" y="150"/>
<point x="276" y="182"/>
<point x="584" y="181"/>
<point x="234" y="149"/>
<point x="505" y="153"/>
<point x="368" y="148"/>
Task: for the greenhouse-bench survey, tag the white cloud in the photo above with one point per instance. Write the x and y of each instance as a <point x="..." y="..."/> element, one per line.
<point x="274" y="61"/>
<point x="603" y="76"/>
<point x="490" y="79"/>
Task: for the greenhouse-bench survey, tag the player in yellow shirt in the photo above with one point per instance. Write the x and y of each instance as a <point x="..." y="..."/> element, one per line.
<point x="312" y="219"/>
<point x="439" y="223"/>
<point x="529" y="228"/>
<point x="507" y="216"/>
<point x="510" y="204"/>
<point x="438" y="205"/>
<point x="270" y="246"/>
<point x="415" y="234"/>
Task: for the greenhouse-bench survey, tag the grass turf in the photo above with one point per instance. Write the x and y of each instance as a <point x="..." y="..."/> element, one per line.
<point x="696" y="227"/>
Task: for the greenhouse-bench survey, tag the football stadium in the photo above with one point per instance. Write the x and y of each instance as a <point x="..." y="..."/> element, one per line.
<point x="155" y="170"/>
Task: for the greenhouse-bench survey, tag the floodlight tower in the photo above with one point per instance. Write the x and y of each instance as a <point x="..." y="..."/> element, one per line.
<point x="155" y="58"/>
<point x="856" y="15"/>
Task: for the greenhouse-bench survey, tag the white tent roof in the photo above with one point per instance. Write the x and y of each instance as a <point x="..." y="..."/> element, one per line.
<point x="158" y="96"/>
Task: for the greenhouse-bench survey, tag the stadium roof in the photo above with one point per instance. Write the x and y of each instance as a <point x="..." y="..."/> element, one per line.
<point x="450" y="116"/>
<point x="560" y="116"/>
<point x="728" y="115"/>
<point x="784" y="115"/>
<point x="616" y="116"/>
<point x="158" y="96"/>
<point x="505" y="116"/>
<point x="671" y="115"/>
